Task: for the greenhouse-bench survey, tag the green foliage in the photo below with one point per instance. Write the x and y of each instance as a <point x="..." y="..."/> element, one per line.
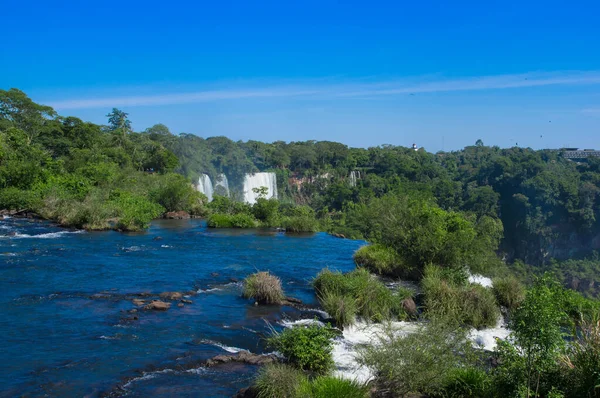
<point x="581" y="362"/>
<point x="384" y="260"/>
<point x="280" y="380"/>
<point x="358" y="293"/>
<point x="335" y="387"/>
<point x="467" y="382"/>
<point x="509" y="291"/>
<point x="241" y="220"/>
<point x="450" y="297"/>
<point x="264" y="288"/>
<point x="529" y="359"/>
<point x="306" y="347"/>
<point x="134" y="211"/>
<point x="419" y="362"/>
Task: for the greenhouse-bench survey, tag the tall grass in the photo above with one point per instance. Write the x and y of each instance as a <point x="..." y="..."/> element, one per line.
<point x="509" y="292"/>
<point x="264" y="288"/>
<point x="358" y="293"/>
<point x="446" y="296"/>
<point x="335" y="387"/>
<point x="280" y="380"/>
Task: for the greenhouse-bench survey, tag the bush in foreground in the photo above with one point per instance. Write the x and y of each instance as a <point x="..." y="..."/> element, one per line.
<point x="419" y="362"/>
<point x="384" y="260"/>
<point x="264" y="288"/>
<point x="306" y="347"/>
<point x="361" y="295"/>
<point x="447" y="296"/>
<point x="278" y="380"/>
<point x="466" y="382"/>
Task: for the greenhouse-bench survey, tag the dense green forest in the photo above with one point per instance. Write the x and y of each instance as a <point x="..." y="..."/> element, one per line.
<point x="530" y="207"/>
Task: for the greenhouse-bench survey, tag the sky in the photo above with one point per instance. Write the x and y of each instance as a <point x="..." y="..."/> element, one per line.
<point x="439" y="74"/>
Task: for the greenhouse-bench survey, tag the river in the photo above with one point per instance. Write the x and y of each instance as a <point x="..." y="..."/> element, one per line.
<point x="66" y="299"/>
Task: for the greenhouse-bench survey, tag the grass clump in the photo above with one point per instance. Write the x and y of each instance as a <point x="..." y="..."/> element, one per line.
<point x="358" y="293"/>
<point x="336" y="387"/>
<point x="278" y="380"/>
<point x="384" y="260"/>
<point x="264" y="288"/>
<point x="449" y="296"/>
<point x="305" y="347"/>
<point x="509" y="292"/>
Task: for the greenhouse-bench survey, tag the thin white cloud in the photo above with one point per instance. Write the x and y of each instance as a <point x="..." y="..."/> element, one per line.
<point x="347" y="89"/>
<point x="591" y="111"/>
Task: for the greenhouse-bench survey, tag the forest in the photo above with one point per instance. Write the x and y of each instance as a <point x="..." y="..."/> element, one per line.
<point x="528" y="218"/>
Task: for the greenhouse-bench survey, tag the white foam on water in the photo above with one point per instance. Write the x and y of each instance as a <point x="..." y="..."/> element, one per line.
<point x="8" y="254"/>
<point x="50" y="235"/>
<point x="198" y="371"/>
<point x="165" y="246"/>
<point x="233" y="350"/>
<point x="480" y="280"/>
<point x="214" y="289"/>
<point x="485" y="339"/>
<point x="300" y="322"/>
<point x="147" y="376"/>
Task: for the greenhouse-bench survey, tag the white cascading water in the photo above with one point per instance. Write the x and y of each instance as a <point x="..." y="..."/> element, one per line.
<point x="354" y="176"/>
<point x="223" y="183"/>
<point x="258" y="180"/>
<point x="205" y="186"/>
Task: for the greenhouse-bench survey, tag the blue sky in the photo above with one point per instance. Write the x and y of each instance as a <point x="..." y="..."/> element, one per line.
<point x="441" y="74"/>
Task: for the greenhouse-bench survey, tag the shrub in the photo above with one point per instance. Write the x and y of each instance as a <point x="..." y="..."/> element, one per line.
<point x="278" y="380"/>
<point x="581" y="363"/>
<point x="242" y="221"/>
<point x="373" y="300"/>
<point x="264" y="288"/>
<point x="419" y="362"/>
<point x="384" y="260"/>
<point x="340" y="307"/>
<point x="300" y="224"/>
<point x="448" y="297"/>
<point x="219" y="220"/>
<point x="335" y="387"/>
<point x="509" y="292"/>
<point x="16" y="199"/>
<point x="306" y="347"/>
<point x="467" y="382"/>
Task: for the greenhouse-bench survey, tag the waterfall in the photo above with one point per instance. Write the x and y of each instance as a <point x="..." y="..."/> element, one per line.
<point x="205" y="186"/>
<point x="222" y="185"/>
<point x="354" y="176"/>
<point x="258" y="180"/>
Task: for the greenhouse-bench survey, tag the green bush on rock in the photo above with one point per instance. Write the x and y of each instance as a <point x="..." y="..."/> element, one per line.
<point x="384" y="260"/>
<point x="509" y="292"/>
<point x="306" y="347"/>
<point x="264" y="288"/>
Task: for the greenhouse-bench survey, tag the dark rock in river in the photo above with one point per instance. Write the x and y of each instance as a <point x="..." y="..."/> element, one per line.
<point x="247" y="392"/>
<point x="177" y="215"/>
<point x="243" y="357"/>
<point x="158" y="238"/>
<point x="214" y="274"/>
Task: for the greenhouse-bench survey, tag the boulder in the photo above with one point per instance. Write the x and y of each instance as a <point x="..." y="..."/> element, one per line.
<point x="138" y="302"/>
<point x="171" y="296"/>
<point x="214" y="274"/>
<point x="186" y="301"/>
<point x="180" y="305"/>
<point x="247" y="392"/>
<point x="158" y="238"/>
<point x="409" y="306"/>
<point x="177" y="215"/>
<point x="158" y="305"/>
